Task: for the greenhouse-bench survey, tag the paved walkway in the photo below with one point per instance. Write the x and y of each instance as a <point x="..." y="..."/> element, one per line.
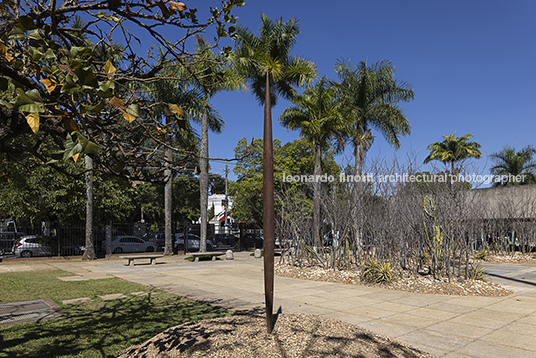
<point x="447" y="326"/>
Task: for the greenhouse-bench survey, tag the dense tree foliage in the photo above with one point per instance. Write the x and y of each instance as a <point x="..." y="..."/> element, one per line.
<point x="453" y="150"/>
<point x="509" y="162"/>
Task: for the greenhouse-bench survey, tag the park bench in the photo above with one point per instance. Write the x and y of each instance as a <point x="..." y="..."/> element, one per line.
<point x="214" y="254"/>
<point x="135" y="257"/>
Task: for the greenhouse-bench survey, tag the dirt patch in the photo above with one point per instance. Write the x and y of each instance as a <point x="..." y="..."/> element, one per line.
<point x="294" y="335"/>
<point x="402" y="282"/>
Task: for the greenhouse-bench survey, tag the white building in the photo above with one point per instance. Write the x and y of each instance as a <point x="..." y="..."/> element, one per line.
<point x="217" y="200"/>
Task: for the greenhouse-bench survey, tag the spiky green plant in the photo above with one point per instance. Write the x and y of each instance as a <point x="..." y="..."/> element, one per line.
<point x="477" y="272"/>
<point x="481" y="255"/>
<point x="424" y="259"/>
<point x="374" y="271"/>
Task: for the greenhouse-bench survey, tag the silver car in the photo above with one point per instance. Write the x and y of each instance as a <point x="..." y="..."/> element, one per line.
<point x="128" y="243"/>
<point x="31" y="245"/>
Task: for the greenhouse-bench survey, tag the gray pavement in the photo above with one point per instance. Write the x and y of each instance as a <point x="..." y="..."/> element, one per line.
<point x="447" y="326"/>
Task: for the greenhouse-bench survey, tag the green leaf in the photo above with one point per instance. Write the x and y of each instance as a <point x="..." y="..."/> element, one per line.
<point x="72" y="146"/>
<point x="80" y="51"/>
<point x="23" y="98"/>
<point x="96" y="108"/>
<point x="35" y="35"/>
<point x="49" y="54"/>
<point x="31" y="108"/>
<point x="26" y="23"/>
<point x="34" y="95"/>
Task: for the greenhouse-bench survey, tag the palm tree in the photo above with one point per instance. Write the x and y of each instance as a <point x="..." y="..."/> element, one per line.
<point x="268" y="67"/>
<point x="316" y="115"/>
<point x="510" y="163"/>
<point x="174" y="98"/>
<point x="210" y="74"/>
<point x="453" y="150"/>
<point x="370" y="96"/>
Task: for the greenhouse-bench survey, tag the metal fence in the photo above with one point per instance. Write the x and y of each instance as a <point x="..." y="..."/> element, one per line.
<point x="69" y="240"/>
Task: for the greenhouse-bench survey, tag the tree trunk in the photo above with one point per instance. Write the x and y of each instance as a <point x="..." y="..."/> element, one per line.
<point x="203" y="180"/>
<point x="89" y="252"/>
<point x="316" y="195"/>
<point x="359" y="153"/>
<point x="168" y="250"/>
<point x="268" y="208"/>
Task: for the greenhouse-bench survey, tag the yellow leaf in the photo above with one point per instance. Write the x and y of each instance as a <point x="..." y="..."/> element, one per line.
<point x="117" y="103"/>
<point x="130" y="118"/>
<point x="175" y="109"/>
<point x="173" y="5"/>
<point x="49" y="84"/>
<point x="35" y="70"/>
<point x="75" y="157"/>
<point x="3" y="49"/>
<point x="69" y="124"/>
<point x="110" y="70"/>
<point x="33" y="121"/>
<point x="199" y="39"/>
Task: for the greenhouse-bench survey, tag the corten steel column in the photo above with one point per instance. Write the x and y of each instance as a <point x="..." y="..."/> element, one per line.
<point x="268" y="208"/>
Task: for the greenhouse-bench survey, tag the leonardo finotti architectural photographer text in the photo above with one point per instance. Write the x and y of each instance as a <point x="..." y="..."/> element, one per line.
<point x="403" y="178"/>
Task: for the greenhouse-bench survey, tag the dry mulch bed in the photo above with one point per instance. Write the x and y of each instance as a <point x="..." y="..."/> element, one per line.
<point x="294" y="335"/>
<point x="406" y="282"/>
<point x="513" y="258"/>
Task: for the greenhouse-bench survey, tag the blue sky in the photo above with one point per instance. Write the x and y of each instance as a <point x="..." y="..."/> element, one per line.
<point x="472" y="66"/>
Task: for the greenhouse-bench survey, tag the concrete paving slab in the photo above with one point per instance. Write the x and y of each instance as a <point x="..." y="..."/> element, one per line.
<point x="143" y="293"/>
<point x="411" y="320"/>
<point x="487" y="318"/>
<point x="113" y="296"/>
<point x="460" y="329"/>
<point x="512" y="339"/>
<point x="76" y="300"/>
<point x="481" y="348"/>
<point x="72" y="278"/>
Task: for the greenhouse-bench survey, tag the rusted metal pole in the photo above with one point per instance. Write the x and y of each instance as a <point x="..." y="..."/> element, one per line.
<point x="268" y="208"/>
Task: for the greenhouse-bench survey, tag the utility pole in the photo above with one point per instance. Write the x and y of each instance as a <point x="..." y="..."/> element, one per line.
<point x="226" y="202"/>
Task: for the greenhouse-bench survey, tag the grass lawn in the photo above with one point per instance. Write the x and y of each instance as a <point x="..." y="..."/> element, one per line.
<point x="93" y="329"/>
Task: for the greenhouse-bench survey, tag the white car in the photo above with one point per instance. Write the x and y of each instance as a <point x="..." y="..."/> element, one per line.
<point x="31" y="245"/>
<point x="128" y="243"/>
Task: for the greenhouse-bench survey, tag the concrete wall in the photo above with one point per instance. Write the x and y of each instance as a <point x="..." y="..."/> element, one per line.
<point x="514" y="202"/>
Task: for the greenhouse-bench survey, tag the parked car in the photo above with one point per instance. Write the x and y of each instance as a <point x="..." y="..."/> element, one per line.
<point x="194" y="242"/>
<point x="157" y="238"/>
<point x="252" y="240"/>
<point x="129" y="243"/>
<point x="220" y="240"/>
<point x="32" y="245"/>
<point x="8" y="239"/>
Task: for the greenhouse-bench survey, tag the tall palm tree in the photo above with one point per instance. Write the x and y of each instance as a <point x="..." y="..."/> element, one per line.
<point x="316" y="115"/>
<point x="509" y="162"/>
<point x="211" y="74"/>
<point x="189" y="104"/>
<point x="268" y="67"/>
<point x="453" y="150"/>
<point x="370" y="96"/>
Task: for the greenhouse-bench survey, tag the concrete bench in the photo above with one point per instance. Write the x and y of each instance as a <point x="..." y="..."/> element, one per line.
<point x="196" y="255"/>
<point x="135" y="257"/>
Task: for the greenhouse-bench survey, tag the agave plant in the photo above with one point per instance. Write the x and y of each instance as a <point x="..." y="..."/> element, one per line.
<point x="374" y="271"/>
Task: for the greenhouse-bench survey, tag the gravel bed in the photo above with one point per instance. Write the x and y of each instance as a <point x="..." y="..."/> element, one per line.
<point x="404" y="282"/>
<point x="294" y="335"/>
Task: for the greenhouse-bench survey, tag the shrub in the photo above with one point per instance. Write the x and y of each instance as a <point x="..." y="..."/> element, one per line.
<point x="424" y="259"/>
<point x="477" y="272"/>
<point x="481" y="255"/>
<point x="376" y="272"/>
